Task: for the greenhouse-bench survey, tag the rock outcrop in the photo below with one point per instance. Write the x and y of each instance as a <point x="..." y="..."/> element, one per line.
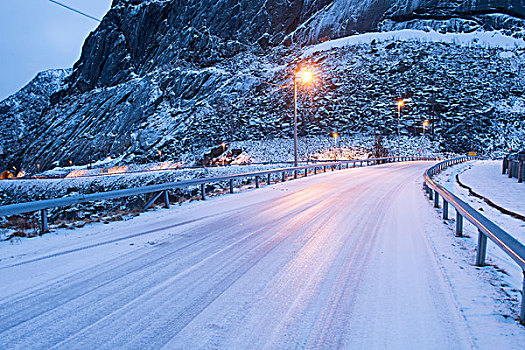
<point x="177" y="75"/>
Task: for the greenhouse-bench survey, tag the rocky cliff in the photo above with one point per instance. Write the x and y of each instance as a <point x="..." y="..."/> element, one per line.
<point x="178" y="75"/>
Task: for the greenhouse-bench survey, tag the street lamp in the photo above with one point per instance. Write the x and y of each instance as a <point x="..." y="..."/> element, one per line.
<point x="305" y="76"/>
<point x="302" y="76"/>
<point x="400" y="104"/>
<point x="223" y="150"/>
<point x="425" y="124"/>
<point x="335" y="135"/>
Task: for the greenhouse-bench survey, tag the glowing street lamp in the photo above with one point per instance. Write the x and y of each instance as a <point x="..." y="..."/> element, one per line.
<point x="160" y="155"/>
<point x="400" y="104"/>
<point x="335" y="135"/>
<point x="305" y="76"/>
<point x="425" y="124"/>
<point x="223" y="147"/>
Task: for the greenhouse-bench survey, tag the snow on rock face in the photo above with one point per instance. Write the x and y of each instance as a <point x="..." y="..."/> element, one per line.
<point x="481" y="39"/>
<point x="20" y="113"/>
<point x="176" y="76"/>
<point x="137" y="36"/>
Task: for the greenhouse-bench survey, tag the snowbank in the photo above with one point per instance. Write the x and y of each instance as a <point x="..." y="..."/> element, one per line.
<point x="491" y="39"/>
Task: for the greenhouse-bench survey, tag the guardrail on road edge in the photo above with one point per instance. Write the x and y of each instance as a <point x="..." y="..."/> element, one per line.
<point x="162" y="189"/>
<point x="486" y="228"/>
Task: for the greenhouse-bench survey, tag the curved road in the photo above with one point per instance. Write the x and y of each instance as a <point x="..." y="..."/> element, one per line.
<point x="338" y="260"/>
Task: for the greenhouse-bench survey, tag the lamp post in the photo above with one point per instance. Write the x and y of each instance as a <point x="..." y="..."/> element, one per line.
<point x="223" y="150"/>
<point x="425" y="124"/>
<point x="335" y="135"/>
<point x="306" y="76"/>
<point x="400" y="104"/>
<point x="302" y="76"/>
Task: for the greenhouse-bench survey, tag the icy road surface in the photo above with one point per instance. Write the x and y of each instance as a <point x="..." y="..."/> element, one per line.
<point x="334" y="261"/>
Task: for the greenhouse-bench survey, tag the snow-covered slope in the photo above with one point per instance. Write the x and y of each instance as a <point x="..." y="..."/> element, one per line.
<point x="20" y="112"/>
<point x="177" y="76"/>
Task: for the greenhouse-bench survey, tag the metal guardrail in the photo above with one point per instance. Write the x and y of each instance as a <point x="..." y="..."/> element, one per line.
<point x="486" y="228"/>
<point x="162" y="189"/>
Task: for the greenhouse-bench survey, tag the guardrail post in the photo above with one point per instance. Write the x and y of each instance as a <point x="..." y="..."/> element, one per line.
<point x="315" y="170"/>
<point x="269" y="178"/>
<point x="324" y="169"/>
<point x="431" y="194"/>
<point x="522" y="311"/>
<point x="43" y="222"/>
<point x="504" y="168"/>
<point x="520" y="171"/>
<point x="305" y="172"/>
<point x="482" y="249"/>
<point x="284" y="176"/>
<point x="510" y="168"/>
<point x="231" y="185"/>
<point x="445" y="209"/>
<point x="436" y="199"/>
<point x="459" y="224"/>
<point x="166" y="199"/>
<point x="361" y="165"/>
<point x="257" y="182"/>
<point x="203" y="191"/>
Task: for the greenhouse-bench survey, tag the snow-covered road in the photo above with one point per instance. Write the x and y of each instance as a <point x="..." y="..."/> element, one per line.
<point x="339" y="260"/>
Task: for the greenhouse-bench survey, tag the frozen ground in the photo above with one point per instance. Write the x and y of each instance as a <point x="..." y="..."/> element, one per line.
<point x="486" y="179"/>
<point x="350" y="259"/>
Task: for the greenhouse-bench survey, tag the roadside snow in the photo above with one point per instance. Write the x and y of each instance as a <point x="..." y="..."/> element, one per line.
<point x="486" y="179"/>
<point x="502" y="272"/>
<point x="483" y="39"/>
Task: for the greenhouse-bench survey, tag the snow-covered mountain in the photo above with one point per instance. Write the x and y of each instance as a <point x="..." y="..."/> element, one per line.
<point x="176" y="75"/>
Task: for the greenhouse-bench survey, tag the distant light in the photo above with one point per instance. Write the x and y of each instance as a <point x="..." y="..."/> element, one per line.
<point x="400" y="103"/>
<point x="335" y="135"/>
<point x="426" y="122"/>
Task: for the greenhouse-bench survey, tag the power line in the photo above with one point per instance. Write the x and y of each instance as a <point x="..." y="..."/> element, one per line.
<point x="74" y="10"/>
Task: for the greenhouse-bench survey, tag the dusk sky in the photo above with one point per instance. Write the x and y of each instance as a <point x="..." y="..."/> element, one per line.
<point x="37" y="35"/>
